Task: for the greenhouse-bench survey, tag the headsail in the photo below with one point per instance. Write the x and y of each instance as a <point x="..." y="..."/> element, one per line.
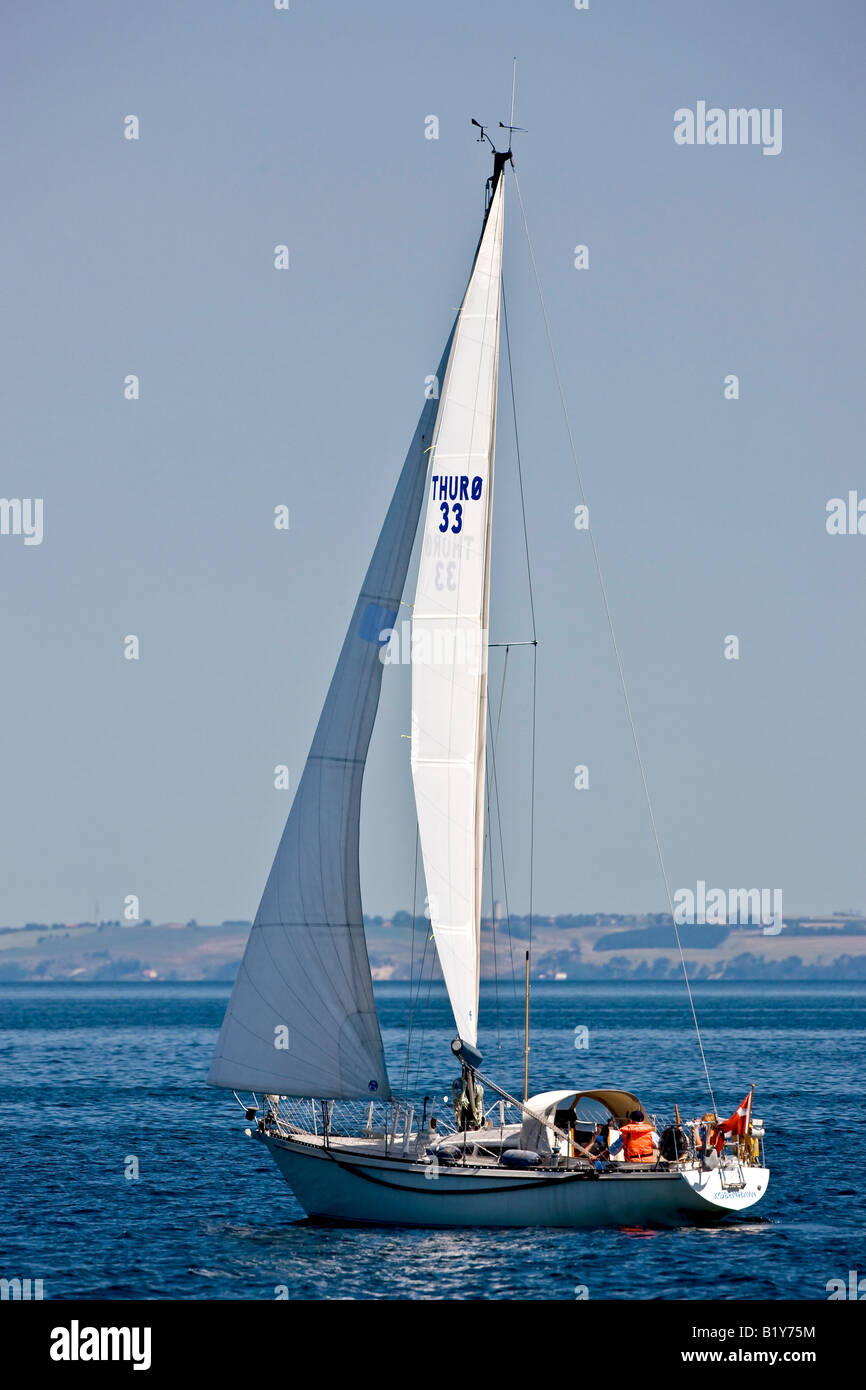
<point x="449" y="631"/>
<point x="301" y="1019"/>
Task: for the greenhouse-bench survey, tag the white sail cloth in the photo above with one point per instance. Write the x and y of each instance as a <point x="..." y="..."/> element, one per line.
<point x="449" y="632"/>
<point x="302" y="1020"/>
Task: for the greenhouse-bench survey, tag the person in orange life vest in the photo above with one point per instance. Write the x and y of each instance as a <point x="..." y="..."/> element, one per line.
<point x="639" y="1138"/>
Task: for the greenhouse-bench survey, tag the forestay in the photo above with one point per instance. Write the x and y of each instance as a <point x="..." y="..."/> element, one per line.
<point x="301" y="1020"/>
<point x="449" y="632"/>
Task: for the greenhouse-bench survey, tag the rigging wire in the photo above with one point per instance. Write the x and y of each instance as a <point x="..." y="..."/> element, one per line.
<point x="531" y="605"/>
<point x="616" y="652"/>
<point x="502" y="687"/>
<point x="492" y="744"/>
<point x="489" y="838"/>
<point x="519" y="463"/>
<point x="412" y="962"/>
<point x="426" y="1007"/>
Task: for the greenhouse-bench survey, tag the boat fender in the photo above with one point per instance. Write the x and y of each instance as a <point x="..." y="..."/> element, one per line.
<point x="446" y="1155"/>
<point x="519" y="1158"/>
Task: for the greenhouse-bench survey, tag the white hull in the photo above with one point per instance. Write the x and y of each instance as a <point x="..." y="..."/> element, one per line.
<point x="349" y="1186"/>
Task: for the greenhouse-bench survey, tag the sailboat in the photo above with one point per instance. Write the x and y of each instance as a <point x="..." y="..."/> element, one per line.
<point x="301" y="1036"/>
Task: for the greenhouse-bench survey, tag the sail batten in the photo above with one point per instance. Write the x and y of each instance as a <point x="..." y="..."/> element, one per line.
<point x="449" y="632"/>
<point x="302" y="1019"/>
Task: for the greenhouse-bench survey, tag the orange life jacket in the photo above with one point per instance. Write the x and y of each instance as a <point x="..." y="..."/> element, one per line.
<point x="637" y="1141"/>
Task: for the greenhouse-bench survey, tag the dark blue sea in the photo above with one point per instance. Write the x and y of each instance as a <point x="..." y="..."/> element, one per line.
<point x="92" y="1075"/>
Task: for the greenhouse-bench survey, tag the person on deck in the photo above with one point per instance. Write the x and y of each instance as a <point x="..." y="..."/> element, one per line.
<point x="639" y="1139"/>
<point x="598" y="1146"/>
<point x="607" y="1144"/>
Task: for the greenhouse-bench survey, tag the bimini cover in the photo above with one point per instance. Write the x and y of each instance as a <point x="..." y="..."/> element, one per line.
<point x="537" y="1131"/>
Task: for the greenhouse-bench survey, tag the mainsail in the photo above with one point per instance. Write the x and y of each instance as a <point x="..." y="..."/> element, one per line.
<point x="302" y="1020"/>
<point x="449" y="631"/>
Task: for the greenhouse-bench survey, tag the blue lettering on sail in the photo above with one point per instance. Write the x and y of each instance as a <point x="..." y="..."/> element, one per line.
<point x="456" y="488"/>
<point x="375" y="620"/>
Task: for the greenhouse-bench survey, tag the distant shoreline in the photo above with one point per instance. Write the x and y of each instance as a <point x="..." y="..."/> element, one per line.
<point x="603" y="947"/>
<point x="438" y="987"/>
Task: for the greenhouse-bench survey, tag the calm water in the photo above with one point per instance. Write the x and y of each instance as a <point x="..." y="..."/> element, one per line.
<point x="92" y="1074"/>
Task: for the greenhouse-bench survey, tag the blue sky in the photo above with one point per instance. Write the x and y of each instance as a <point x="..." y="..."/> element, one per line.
<point x="259" y="387"/>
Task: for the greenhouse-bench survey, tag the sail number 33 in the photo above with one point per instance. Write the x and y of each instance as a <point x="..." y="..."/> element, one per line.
<point x="451" y="493"/>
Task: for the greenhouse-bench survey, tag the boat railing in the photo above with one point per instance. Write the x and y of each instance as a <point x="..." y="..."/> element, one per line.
<point x="393" y="1123"/>
<point x="737" y="1153"/>
<point x="402" y="1126"/>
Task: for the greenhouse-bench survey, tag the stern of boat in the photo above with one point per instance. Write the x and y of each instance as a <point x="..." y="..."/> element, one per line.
<point x="732" y="1188"/>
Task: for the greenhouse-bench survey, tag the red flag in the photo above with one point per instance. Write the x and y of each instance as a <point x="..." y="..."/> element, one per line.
<point x="737" y="1124"/>
<point x="739" y="1121"/>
